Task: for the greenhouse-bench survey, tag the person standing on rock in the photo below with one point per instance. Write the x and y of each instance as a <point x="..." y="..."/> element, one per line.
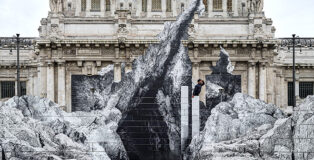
<point x="198" y="88"/>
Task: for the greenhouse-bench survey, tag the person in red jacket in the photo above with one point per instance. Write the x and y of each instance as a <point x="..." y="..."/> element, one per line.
<point x="198" y="88"/>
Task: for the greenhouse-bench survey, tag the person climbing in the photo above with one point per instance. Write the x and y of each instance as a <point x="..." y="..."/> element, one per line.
<point x="198" y="88"/>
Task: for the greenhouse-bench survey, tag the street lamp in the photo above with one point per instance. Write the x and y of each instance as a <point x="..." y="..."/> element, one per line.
<point x="18" y="65"/>
<point x="302" y="42"/>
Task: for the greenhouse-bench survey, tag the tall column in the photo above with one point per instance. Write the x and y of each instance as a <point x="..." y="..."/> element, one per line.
<point x="42" y="79"/>
<point x="163" y="7"/>
<point x="78" y="8"/>
<point x="235" y="7"/>
<point x="195" y="72"/>
<point x="251" y="79"/>
<point x="210" y="7"/>
<point x="61" y="84"/>
<point x="278" y="90"/>
<point x="284" y="92"/>
<point x="138" y="8"/>
<point x="195" y="116"/>
<point x="224" y="7"/>
<point x="184" y="116"/>
<point x="50" y="82"/>
<point x="30" y="85"/>
<point x="88" y="5"/>
<point x="117" y="72"/>
<point x="149" y="7"/>
<point x="102" y="6"/>
<point x="262" y="82"/>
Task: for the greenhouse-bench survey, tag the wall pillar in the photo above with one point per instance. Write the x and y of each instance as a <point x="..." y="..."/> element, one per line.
<point x="117" y="72"/>
<point x="235" y="7"/>
<point x="50" y="82"/>
<point x="42" y="79"/>
<point x="163" y="7"/>
<point x="88" y="5"/>
<point x="149" y="8"/>
<point x="224" y="7"/>
<point x="61" y="85"/>
<point x="184" y="116"/>
<point x="251" y="79"/>
<point x="102" y="6"/>
<point x="262" y="82"/>
<point x="195" y="72"/>
<point x="78" y="8"/>
<point x="278" y="90"/>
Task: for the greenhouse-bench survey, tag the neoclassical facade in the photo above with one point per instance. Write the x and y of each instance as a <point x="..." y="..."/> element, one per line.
<point x="79" y="37"/>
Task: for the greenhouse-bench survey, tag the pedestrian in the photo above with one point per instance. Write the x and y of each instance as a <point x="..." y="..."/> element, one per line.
<point x="198" y="88"/>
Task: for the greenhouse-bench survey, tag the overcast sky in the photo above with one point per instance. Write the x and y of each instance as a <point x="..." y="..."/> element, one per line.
<point x="289" y="16"/>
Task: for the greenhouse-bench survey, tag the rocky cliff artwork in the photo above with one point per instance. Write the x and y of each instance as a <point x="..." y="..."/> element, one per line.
<point x="138" y="118"/>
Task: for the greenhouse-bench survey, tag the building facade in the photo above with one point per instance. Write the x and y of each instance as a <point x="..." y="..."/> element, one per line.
<point x="79" y="37"/>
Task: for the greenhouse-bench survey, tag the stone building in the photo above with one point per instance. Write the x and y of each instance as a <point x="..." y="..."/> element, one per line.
<point x="79" y="37"/>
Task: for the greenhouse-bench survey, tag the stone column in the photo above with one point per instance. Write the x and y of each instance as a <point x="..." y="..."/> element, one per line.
<point x="50" y="82"/>
<point x="195" y="116"/>
<point x="42" y="80"/>
<point x="149" y="8"/>
<point x="138" y="8"/>
<point x="78" y="8"/>
<point x="29" y="85"/>
<point x="235" y="7"/>
<point x="184" y="116"/>
<point x="224" y="6"/>
<point x="102" y="6"/>
<point x="210" y="7"/>
<point x="251" y="79"/>
<point x="88" y="5"/>
<point x="278" y="90"/>
<point x="284" y="92"/>
<point x="163" y="7"/>
<point x="61" y="84"/>
<point x="262" y="82"/>
<point x="117" y="72"/>
<point x="195" y="72"/>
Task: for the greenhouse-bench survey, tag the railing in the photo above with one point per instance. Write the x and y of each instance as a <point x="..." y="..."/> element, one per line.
<point x="10" y="42"/>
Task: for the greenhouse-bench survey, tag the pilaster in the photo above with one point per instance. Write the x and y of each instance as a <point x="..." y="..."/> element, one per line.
<point x="61" y="85"/>
<point x="117" y="72"/>
<point x="251" y="79"/>
<point x="262" y="81"/>
<point x="50" y="81"/>
<point x="42" y="79"/>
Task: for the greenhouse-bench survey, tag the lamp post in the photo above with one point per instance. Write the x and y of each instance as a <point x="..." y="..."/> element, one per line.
<point x="18" y="65"/>
<point x="291" y="42"/>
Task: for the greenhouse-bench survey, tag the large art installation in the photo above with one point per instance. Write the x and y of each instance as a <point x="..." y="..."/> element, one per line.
<point x="138" y="118"/>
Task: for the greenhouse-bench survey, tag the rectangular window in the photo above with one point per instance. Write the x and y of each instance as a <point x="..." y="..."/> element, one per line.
<point x="156" y="5"/>
<point x="217" y="5"/>
<point x="23" y="88"/>
<point x="168" y="9"/>
<point x="107" y="5"/>
<point x="7" y="89"/>
<point x="290" y="94"/>
<point x="95" y="5"/>
<point x="144" y="5"/>
<point x="305" y="89"/>
<point x="83" y="5"/>
<point x="229" y="6"/>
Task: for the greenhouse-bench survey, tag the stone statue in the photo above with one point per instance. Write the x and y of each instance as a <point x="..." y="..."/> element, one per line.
<point x="56" y="5"/>
<point x="255" y="6"/>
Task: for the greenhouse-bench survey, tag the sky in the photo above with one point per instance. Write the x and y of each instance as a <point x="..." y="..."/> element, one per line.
<point x="289" y="16"/>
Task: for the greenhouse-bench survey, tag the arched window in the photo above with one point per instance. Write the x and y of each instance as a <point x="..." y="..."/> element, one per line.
<point x="217" y="5"/>
<point x="206" y="5"/>
<point x="144" y="5"/>
<point x="107" y="5"/>
<point x="168" y="6"/>
<point x="229" y="5"/>
<point x="83" y="5"/>
<point x="95" y="5"/>
<point x="156" y="5"/>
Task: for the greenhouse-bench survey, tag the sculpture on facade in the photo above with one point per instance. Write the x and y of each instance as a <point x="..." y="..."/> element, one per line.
<point x="56" y="5"/>
<point x="255" y="6"/>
